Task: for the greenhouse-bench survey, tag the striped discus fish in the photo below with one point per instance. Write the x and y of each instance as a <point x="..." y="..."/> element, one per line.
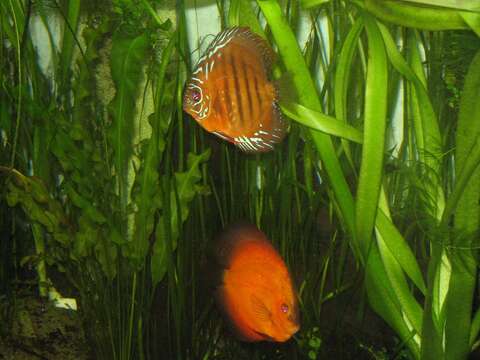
<point x="230" y="94"/>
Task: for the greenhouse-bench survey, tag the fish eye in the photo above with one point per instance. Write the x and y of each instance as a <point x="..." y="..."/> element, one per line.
<point x="284" y="308"/>
<point x="196" y="96"/>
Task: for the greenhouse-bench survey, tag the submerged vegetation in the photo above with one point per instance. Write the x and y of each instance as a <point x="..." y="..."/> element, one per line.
<point x="113" y="194"/>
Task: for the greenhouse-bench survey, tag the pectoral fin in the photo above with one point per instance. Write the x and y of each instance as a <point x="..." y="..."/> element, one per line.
<point x="259" y="308"/>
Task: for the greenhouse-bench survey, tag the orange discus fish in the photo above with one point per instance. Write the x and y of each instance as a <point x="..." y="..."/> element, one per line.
<point x="256" y="293"/>
<point x="230" y="94"/>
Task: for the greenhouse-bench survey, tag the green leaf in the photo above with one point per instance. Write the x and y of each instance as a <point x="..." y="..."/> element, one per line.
<point x="453" y="4"/>
<point x="242" y="14"/>
<point x="296" y="67"/>
<point x="307" y="4"/>
<point x="321" y="122"/>
<point x="33" y="196"/>
<point x="473" y="20"/>
<point x="427" y="132"/>
<point x="468" y="153"/>
<point x="384" y="301"/>
<point x="87" y="207"/>
<point x="68" y="40"/>
<point x="106" y="253"/>
<point x="342" y="78"/>
<point x="85" y="238"/>
<point x="400" y="250"/>
<point x="419" y="17"/>
<point x="409" y="306"/>
<point x="463" y="252"/>
<point x="374" y="137"/>
<point x="467" y="216"/>
<point x="146" y="187"/>
<point x="127" y="57"/>
<point x="186" y="187"/>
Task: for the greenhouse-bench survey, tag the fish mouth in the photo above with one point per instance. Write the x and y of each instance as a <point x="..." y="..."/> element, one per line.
<point x="284" y="334"/>
<point x="294" y="318"/>
<point x="295" y="329"/>
<point x="292" y="328"/>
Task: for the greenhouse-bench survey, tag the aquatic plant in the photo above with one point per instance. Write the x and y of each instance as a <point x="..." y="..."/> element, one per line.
<point x="123" y="191"/>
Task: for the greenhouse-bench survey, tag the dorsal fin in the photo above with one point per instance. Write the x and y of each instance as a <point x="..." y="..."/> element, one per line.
<point x="248" y="38"/>
<point x="244" y="37"/>
<point x="231" y="237"/>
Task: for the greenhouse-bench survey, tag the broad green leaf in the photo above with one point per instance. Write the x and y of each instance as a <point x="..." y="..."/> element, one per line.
<point x="467" y="215"/>
<point x="468" y="151"/>
<point x="33" y="196"/>
<point x="473" y="20"/>
<point x="85" y="238"/>
<point x="85" y="205"/>
<point x="127" y="57"/>
<point x="307" y="4"/>
<point x="146" y="187"/>
<point x="186" y="187"/>
<point x="419" y="17"/>
<point x="106" y="253"/>
<point x="373" y="137"/>
<point x="242" y="14"/>
<point x="463" y="252"/>
<point x="453" y="4"/>
<point x="321" y="122"/>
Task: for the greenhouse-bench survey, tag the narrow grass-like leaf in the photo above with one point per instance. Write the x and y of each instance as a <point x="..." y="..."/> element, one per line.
<point x="426" y="127"/>
<point x="321" y="122"/>
<point x="342" y="77"/>
<point x="374" y="136"/>
<point x="296" y="67"/>
<point x="433" y="315"/>
<point x="383" y="300"/>
<point x="427" y="133"/>
<point x="409" y="306"/>
<point x="68" y="41"/>
<point x="400" y="250"/>
<point x="475" y="328"/>
<point x="419" y="17"/>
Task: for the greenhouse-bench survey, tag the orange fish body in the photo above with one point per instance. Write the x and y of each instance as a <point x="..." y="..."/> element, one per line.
<point x="230" y="95"/>
<point x="256" y="292"/>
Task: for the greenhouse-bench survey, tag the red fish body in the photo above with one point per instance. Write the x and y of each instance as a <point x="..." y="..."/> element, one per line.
<point x="256" y="293"/>
<point x="230" y="95"/>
